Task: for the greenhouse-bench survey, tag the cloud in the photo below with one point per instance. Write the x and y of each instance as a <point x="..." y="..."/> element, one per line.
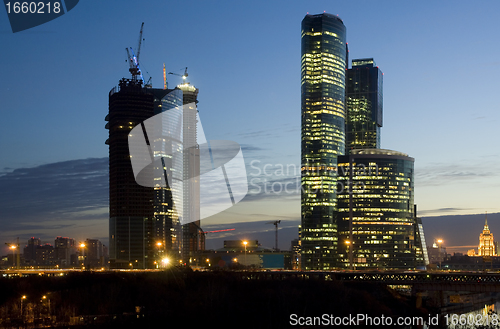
<point x="53" y="196"/>
<point x="247" y="148"/>
<point x="446" y="174"/>
<point x="57" y="187"/>
<point x="441" y="210"/>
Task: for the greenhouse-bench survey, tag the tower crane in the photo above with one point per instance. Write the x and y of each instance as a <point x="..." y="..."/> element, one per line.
<point x="133" y="60"/>
<point x="184" y="76"/>
<point x="275" y="223"/>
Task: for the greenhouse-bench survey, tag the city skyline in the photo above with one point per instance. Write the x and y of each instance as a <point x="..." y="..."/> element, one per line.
<point x="55" y="98"/>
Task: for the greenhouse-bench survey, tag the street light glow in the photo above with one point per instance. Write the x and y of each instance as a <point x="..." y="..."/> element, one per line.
<point x="165" y="261"/>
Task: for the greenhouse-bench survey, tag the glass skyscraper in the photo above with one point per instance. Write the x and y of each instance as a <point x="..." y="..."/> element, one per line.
<point x="364" y="105"/>
<point x="378" y="209"/>
<point x="357" y="207"/>
<point x="323" y="69"/>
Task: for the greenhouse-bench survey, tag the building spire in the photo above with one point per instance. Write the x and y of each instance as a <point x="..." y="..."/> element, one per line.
<point x="486" y="221"/>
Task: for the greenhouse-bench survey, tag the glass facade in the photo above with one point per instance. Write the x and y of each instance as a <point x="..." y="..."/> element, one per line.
<point x="377" y="223"/>
<point x="364" y="105"/>
<point x="192" y="234"/>
<point x="421" y="255"/>
<point x="323" y="68"/>
<point x="167" y="225"/>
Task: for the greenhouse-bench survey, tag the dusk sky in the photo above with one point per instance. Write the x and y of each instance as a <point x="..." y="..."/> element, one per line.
<point x="440" y="61"/>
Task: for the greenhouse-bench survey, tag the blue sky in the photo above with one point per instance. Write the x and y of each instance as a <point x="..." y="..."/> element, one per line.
<point x="440" y="64"/>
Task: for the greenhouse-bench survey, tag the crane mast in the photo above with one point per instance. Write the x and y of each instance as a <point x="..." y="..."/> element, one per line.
<point x="133" y="60"/>
<point x="275" y="223"/>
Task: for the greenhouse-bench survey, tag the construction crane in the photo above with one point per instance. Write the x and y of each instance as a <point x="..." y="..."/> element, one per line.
<point x="133" y="60"/>
<point x="184" y="76"/>
<point x="165" y="85"/>
<point x="139" y="43"/>
<point x="275" y="223"/>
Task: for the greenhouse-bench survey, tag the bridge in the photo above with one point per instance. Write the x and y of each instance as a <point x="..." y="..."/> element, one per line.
<point x="418" y="280"/>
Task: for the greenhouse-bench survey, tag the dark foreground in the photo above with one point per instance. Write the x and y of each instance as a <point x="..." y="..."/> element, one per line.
<point x="182" y="298"/>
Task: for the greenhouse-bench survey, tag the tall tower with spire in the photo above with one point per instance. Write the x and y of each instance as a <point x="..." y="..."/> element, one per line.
<point x="486" y="242"/>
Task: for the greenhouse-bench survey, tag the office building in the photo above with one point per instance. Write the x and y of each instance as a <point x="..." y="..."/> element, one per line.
<point x="145" y="221"/>
<point x="364" y="105"/>
<point x="377" y="224"/>
<point x="323" y="69"/>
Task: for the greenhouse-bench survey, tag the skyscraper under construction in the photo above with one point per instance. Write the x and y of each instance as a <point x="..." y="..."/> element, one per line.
<point x="145" y="221"/>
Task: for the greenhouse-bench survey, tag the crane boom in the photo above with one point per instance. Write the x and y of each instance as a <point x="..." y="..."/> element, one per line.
<point x="164" y="77"/>
<point x="133" y="60"/>
<point x="139" y="43"/>
<point x="183" y="76"/>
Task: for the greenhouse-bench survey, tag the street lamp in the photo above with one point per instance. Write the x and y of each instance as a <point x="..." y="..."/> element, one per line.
<point x="159" y="252"/>
<point x="348" y="243"/>
<point x="82" y="246"/>
<point x="13" y="248"/>
<point x="245" y="244"/>
<point x="440" y="242"/>
<point x="44" y="297"/>
<point x="22" y="299"/>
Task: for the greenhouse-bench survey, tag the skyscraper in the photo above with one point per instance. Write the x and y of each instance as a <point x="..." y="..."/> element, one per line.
<point x="357" y="209"/>
<point x="167" y="221"/>
<point x="377" y="224"/>
<point x="323" y="68"/>
<point x="486" y="242"/>
<point x="131" y="206"/>
<point x="192" y="237"/>
<point x="364" y="105"/>
<point x="143" y="220"/>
